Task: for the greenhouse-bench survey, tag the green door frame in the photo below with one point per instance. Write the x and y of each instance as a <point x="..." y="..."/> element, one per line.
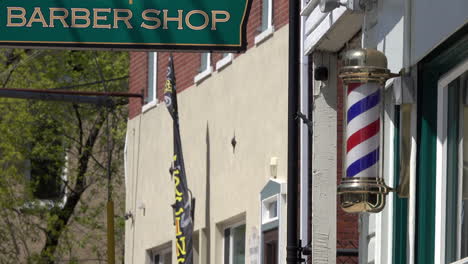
<point x="446" y="56"/>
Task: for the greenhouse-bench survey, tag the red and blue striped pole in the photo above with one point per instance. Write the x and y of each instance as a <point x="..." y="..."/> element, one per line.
<point x="363" y="130"/>
<point x="364" y="74"/>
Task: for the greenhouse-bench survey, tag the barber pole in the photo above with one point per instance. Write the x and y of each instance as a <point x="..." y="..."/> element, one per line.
<point x="364" y="74"/>
<point x="363" y="130"/>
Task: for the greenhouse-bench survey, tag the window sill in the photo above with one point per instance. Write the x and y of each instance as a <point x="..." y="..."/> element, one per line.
<point x="203" y="75"/>
<point x="148" y="106"/>
<point x="224" y="62"/>
<point x="260" y="38"/>
<point x="270" y="220"/>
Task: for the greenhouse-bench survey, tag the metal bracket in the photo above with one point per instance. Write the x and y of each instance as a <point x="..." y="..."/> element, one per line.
<point x="304" y="118"/>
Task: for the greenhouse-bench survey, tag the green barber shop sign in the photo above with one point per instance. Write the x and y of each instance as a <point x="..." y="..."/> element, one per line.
<point x="125" y="24"/>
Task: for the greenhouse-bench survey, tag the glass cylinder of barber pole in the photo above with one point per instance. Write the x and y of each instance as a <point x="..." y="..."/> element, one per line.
<point x="364" y="74"/>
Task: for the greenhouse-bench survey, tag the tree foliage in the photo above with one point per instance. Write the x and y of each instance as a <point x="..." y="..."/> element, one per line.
<point x="42" y="139"/>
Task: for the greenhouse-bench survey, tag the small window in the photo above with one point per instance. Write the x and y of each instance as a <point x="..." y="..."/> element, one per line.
<point x="205" y="67"/>
<point x="161" y="256"/>
<point x="266" y="25"/>
<point x="234" y="244"/>
<point x="151" y="89"/>
<point x="270" y="209"/>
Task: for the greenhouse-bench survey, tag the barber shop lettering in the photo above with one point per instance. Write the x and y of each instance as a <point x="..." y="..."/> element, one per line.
<point x="108" y="18"/>
<point x="122" y="24"/>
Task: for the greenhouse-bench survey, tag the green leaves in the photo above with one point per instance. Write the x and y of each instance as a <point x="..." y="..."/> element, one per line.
<point x="42" y="146"/>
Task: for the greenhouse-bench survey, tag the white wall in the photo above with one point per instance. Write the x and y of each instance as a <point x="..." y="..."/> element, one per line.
<point x="247" y="99"/>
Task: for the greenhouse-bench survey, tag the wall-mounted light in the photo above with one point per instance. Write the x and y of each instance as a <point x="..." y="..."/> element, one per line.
<point x="364" y="74"/>
<point x="274" y="167"/>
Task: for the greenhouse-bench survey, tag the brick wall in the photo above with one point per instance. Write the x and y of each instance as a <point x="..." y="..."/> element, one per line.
<point x="186" y="64"/>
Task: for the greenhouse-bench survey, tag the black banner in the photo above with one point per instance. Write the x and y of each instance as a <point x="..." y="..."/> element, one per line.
<point x="182" y="207"/>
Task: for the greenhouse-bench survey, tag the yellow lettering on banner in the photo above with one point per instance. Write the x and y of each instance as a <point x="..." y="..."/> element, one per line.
<point x="178" y="199"/>
<point x="178" y="231"/>
<point x="37" y="17"/>
<point x="84" y="17"/>
<point x="11" y="16"/>
<point x="176" y="172"/>
<point x="175" y="156"/>
<point x="54" y="17"/>
<point x="173" y="19"/>
<point x="180" y="260"/>
<point x="178" y="213"/>
<point x="151" y="19"/>
<point x="180" y="246"/>
<point x="215" y="20"/>
<point x="98" y="18"/>
<point x="191" y="26"/>
<point x="125" y="19"/>
<point x="177" y="183"/>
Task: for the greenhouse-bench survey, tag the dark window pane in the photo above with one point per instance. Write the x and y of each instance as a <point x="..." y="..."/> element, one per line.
<point x="227" y="245"/>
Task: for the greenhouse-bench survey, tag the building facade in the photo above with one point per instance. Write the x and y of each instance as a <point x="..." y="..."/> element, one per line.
<point x="424" y="113"/>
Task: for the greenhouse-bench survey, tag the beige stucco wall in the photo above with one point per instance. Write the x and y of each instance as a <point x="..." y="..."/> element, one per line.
<point x="247" y="99"/>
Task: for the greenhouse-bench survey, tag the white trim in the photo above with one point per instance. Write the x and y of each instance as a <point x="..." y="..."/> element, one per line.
<point x="460" y="170"/>
<point x="309" y="7"/>
<point x="260" y="38"/>
<point x="154" y="101"/>
<point x="441" y="169"/>
<point x="146" y="107"/>
<point x="441" y="164"/>
<point x="412" y="187"/>
<point x="203" y="75"/>
<point x="224" y="62"/>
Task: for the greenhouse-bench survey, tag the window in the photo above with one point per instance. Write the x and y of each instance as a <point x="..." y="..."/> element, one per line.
<point x="452" y="185"/>
<point x="205" y="68"/>
<point x="151" y="89"/>
<point x="234" y="244"/>
<point x="270" y="209"/>
<point x="224" y="61"/>
<point x="266" y="26"/>
<point x="161" y="256"/>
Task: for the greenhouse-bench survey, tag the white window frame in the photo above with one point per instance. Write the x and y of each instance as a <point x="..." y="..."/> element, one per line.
<point x="154" y="84"/>
<point x="231" y="242"/>
<point x="224" y="61"/>
<point x="266" y="33"/>
<point x="441" y="164"/>
<point x="204" y="73"/>
<point x="267" y="201"/>
<point x="160" y="252"/>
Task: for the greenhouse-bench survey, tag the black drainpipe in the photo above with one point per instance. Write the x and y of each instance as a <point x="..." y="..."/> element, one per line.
<point x="293" y="248"/>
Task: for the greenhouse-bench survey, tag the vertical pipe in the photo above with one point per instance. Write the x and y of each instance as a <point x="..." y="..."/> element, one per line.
<point x="304" y="148"/>
<point x="292" y="255"/>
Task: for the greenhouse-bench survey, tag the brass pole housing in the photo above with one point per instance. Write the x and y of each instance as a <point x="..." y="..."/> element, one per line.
<point x="360" y="195"/>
